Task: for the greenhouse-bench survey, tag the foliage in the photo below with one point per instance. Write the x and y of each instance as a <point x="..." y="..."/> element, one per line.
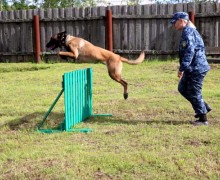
<point x="67" y="3"/>
<point x="131" y="2"/>
<point x="4" y="5"/>
<point x="182" y="1"/>
<point x="17" y="5"/>
<point x="33" y="4"/>
<point x="26" y="4"/>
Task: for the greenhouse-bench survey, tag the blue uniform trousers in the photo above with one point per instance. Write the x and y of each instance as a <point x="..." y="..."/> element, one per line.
<point x="190" y="87"/>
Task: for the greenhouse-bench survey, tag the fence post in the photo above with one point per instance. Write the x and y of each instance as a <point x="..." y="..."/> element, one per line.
<point x="37" y="38"/>
<point x="109" y="30"/>
<point x="192" y="17"/>
<point x="191" y="8"/>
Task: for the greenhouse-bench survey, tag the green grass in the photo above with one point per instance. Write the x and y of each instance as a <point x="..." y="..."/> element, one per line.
<point x="148" y="136"/>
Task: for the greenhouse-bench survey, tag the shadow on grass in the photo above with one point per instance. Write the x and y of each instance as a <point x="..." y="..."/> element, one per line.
<point x="31" y="121"/>
<point x="110" y="120"/>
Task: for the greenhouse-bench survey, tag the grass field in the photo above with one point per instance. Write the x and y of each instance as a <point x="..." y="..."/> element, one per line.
<point x="148" y="136"/>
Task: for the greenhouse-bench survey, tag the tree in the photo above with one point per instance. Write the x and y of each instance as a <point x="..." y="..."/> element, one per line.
<point x="57" y="3"/>
<point x="183" y="1"/>
<point x="16" y="4"/>
<point x="4" y="5"/>
<point x="32" y="4"/>
<point x="133" y="2"/>
<point x="67" y="3"/>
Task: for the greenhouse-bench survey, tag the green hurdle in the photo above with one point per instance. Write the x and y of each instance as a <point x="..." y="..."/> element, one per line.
<point x="77" y="89"/>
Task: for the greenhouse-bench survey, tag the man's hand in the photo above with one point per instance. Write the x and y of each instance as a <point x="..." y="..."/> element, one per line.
<point x="180" y="74"/>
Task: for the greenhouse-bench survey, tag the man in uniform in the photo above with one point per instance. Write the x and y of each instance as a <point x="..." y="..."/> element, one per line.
<point x="193" y="66"/>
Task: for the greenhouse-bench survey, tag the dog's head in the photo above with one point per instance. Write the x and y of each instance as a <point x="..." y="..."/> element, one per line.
<point x="57" y="40"/>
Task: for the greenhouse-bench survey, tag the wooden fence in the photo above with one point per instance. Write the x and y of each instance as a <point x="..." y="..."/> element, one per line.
<point x="135" y="28"/>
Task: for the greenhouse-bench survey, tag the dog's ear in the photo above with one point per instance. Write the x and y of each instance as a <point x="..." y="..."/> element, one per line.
<point x="63" y="33"/>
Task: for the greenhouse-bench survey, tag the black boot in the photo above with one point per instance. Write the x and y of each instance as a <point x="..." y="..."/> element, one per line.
<point x="208" y="108"/>
<point x="202" y="120"/>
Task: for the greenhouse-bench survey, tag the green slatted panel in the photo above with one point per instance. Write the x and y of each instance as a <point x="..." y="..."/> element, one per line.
<point x="77" y="96"/>
<point x="77" y="88"/>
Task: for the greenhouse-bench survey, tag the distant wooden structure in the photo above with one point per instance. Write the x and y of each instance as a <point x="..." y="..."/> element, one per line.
<point x="135" y="28"/>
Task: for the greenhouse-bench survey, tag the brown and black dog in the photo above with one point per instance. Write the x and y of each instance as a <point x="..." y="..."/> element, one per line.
<point x="78" y="47"/>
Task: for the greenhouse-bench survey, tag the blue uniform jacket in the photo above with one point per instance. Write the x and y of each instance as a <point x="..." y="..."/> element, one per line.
<point x="192" y="52"/>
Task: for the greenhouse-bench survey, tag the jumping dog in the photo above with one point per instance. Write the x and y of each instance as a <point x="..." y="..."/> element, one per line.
<point x="78" y="47"/>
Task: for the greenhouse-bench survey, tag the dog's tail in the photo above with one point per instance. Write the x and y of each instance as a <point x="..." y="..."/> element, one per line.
<point x="139" y="60"/>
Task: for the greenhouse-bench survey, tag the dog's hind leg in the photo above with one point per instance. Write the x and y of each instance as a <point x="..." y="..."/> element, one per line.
<point x="117" y="78"/>
<point x="125" y="85"/>
<point x="114" y="71"/>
